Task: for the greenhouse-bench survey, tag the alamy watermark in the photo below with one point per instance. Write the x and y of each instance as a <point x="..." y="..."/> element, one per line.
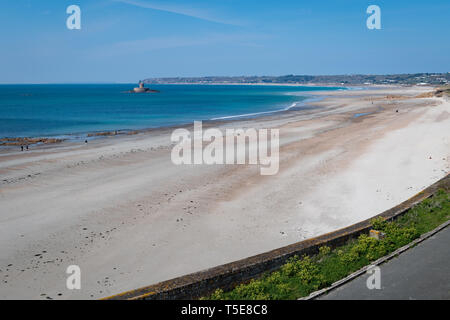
<point x="235" y="146"/>
<point x="374" y="280"/>
<point x="374" y="20"/>
<point x="73" y="281"/>
<point x="74" y="20"/>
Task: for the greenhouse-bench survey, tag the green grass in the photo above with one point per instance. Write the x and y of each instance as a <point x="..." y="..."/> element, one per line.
<point x="301" y="276"/>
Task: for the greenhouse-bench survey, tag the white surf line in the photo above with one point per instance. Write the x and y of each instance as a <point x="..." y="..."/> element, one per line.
<point x="310" y="98"/>
<point x="256" y="113"/>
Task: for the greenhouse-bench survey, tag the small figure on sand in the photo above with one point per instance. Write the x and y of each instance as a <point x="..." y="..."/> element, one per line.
<point x="21" y="147"/>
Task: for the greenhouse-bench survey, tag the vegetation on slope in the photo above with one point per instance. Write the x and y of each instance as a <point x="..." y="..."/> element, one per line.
<point x="301" y="276"/>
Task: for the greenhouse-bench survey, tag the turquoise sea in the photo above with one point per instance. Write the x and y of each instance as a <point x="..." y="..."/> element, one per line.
<point x="58" y="110"/>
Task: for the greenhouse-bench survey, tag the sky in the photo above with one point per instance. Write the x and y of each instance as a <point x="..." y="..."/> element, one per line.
<point x="128" y="40"/>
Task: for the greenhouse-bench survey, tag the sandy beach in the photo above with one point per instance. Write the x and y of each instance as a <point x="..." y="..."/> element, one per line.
<point x="122" y="211"/>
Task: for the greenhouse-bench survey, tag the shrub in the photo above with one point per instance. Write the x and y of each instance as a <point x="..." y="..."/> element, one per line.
<point x="324" y="250"/>
<point x="254" y="290"/>
<point x="378" y="223"/>
<point x="217" y="295"/>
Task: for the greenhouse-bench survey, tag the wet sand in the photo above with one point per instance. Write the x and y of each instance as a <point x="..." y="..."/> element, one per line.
<point x="120" y="209"/>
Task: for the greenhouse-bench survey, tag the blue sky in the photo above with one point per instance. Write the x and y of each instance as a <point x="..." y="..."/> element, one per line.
<point x="128" y="40"/>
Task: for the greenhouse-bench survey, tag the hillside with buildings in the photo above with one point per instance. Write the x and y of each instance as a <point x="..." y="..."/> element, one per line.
<point x="356" y="79"/>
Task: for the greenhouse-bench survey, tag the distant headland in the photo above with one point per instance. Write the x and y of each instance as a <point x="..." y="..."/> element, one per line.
<point x="350" y="79"/>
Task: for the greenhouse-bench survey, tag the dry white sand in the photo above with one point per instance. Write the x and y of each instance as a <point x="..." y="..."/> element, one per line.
<point x="128" y="217"/>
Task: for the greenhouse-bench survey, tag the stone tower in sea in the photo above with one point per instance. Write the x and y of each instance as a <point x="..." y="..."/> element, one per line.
<point x="141" y="88"/>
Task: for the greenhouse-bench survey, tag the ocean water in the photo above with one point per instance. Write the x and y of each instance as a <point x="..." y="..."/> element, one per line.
<point x="58" y="110"/>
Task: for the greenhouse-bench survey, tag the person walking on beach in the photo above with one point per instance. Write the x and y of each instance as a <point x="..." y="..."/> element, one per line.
<point x="21" y="147"/>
